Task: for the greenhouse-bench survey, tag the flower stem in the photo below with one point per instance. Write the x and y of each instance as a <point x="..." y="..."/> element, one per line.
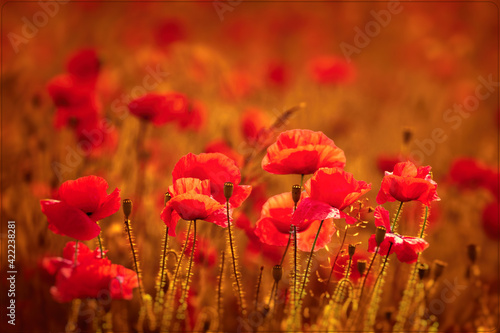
<point x="301" y="180"/>
<point x="366" y="275"/>
<point x="383" y="266"/>
<point x="294" y="265"/>
<point x="393" y="227"/>
<point x="258" y="288"/>
<point x="183" y="302"/>
<point x="128" y="228"/>
<point x="219" y="290"/>
<point x="309" y="262"/>
<point x="236" y="273"/>
<point x="425" y="221"/>
<point x="281" y="264"/>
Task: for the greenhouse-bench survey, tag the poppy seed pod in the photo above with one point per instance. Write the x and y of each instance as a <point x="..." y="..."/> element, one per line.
<point x="380" y="235"/>
<point x="422" y="270"/>
<point x="228" y="190"/>
<point x="127" y="207"/>
<point x="168" y="196"/>
<point x="352" y="249"/>
<point x="438" y="268"/>
<point x="277" y="273"/>
<point x="361" y="267"/>
<point x="472" y="250"/>
<point x="407" y="136"/>
<point x="296" y="189"/>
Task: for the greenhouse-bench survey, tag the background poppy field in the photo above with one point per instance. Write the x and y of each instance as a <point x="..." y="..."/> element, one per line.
<point x="386" y="81"/>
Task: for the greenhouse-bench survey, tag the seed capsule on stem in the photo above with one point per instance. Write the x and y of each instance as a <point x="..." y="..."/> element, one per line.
<point x="380" y="235"/>
<point x="228" y="190"/>
<point x="277" y="273"/>
<point x="472" y="251"/>
<point x="296" y="191"/>
<point x="168" y="196"/>
<point x="423" y="270"/>
<point x="352" y="250"/>
<point x="361" y="267"/>
<point x="439" y="266"/>
<point x="127" y="208"/>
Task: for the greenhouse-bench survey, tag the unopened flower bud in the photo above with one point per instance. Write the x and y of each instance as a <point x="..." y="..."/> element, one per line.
<point x="127" y="207"/>
<point x="438" y="268"/>
<point x="407" y="135"/>
<point x="228" y="190"/>
<point x="380" y="235"/>
<point x="423" y="269"/>
<point x="296" y="189"/>
<point x="361" y="267"/>
<point x="277" y="273"/>
<point x="168" y="196"/>
<point x="352" y="249"/>
<point x="472" y="250"/>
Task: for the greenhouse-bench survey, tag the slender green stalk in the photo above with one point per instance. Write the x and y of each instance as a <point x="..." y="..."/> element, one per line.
<point x="134" y="257"/>
<point x="425" y="222"/>
<point x="100" y="245"/>
<point x="258" y="288"/>
<point x="183" y="302"/>
<point x="393" y="227"/>
<point x="367" y="273"/>
<point x="383" y="266"/>
<point x="219" y="290"/>
<point x="294" y="265"/>
<point x="309" y="262"/>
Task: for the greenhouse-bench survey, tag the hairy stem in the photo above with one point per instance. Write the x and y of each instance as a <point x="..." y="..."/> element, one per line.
<point x="309" y="262"/>
<point x="393" y="227"/>
<point x="336" y="257"/>
<point x="134" y="257"/>
<point x="236" y="275"/>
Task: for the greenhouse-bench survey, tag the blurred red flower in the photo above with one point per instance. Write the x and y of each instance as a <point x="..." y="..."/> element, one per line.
<point x="191" y="200"/>
<point x="82" y="202"/>
<point x="273" y="227"/>
<point x="193" y="117"/>
<point x="205" y="251"/>
<point x="302" y="152"/>
<point x="331" y="70"/>
<point x="406" y="248"/>
<point x="84" y="65"/>
<point x="170" y="31"/>
<point x="490" y="220"/>
<point x="159" y="108"/>
<point x="469" y="173"/>
<point x="216" y="167"/>
<point x="91" y="277"/>
<point x="253" y="122"/>
<point x="343" y="261"/>
<point x="407" y="183"/>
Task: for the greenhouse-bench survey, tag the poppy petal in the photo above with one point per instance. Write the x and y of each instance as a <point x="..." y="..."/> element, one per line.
<point x="110" y="205"/>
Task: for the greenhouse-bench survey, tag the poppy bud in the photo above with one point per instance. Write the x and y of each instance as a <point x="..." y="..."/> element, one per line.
<point x="352" y="249"/>
<point x="438" y="268"/>
<point x="361" y="267"/>
<point x="407" y="135"/>
<point x="472" y="250"/>
<point x="423" y="269"/>
<point x="296" y="189"/>
<point x="228" y="190"/>
<point x="127" y="207"/>
<point x="277" y="273"/>
<point x="380" y="235"/>
<point x="168" y="196"/>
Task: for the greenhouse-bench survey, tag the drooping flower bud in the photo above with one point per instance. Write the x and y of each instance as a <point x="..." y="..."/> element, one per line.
<point x="168" y="196"/>
<point x="127" y="207"/>
<point x="277" y="273"/>
<point x="407" y="135"/>
<point x="472" y="250"/>
<point x="228" y="190"/>
<point x="361" y="267"/>
<point x="296" y="189"/>
<point x="380" y="235"/>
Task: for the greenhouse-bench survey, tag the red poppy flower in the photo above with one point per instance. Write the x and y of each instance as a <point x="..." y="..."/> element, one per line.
<point x="221" y="146"/>
<point x="81" y="204"/>
<point x="170" y="31"/>
<point x="406" y="248"/>
<point x="84" y="65"/>
<point x="66" y="91"/>
<point x="302" y="152"/>
<point x="217" y="168"/>
<point x="273" y="227"/>
<point x="90" y="278"/>
<point x="278" y="74"/>
<point x="336" y="187"/>
<point x="490" y="220"/>
<point x="331" y="70"/>
<point x="191" y="200"/>
<point x="407" y="183"/>
<point x="193" y="117"/>
<point x="205" y="251"/>
<point x="159" y="108"/>
<point x="469" y="173"/>
<point x="253" y="122"/>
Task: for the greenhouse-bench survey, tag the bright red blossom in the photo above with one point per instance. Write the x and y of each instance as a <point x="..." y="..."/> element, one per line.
<point x="159" y="108"/>
<point x="406" y="248"/>
<point x="217" y="168"/>
<point x="89" y="277"/>
<point x="191" y="200"/>
<point x="82" y="203"/>
<point x="407" y="183"/>
<point x="273" y="227"/>
<point x="302" y="152"/>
